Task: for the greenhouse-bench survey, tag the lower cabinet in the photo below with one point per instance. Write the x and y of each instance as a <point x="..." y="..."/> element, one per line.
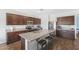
<point x="14" y="36"/>
<point x="69" y="34"/>
<point x="59" y="33"/>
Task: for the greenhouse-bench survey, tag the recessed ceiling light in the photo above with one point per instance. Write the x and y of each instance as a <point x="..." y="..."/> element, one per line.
<point x="40" y="10"/>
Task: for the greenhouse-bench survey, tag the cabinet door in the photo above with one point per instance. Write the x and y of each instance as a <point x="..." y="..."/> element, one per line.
<point x="12" y="37"/>
<point x="68" y="20"/>
<point x="9" y="19"/>
<point x="30" y="20"/>
<point x="68" y="34"/>
<point x="12" y="19"/>
<point x="25" y="20"/>
<point x="36" y="21"/>
<point x="59" y="33"/>
<point x="20" y="20"/>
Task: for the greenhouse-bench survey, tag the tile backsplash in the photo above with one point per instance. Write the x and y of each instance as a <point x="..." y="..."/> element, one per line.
<point x="11" y="28"/>
<point x="67" y="27"/>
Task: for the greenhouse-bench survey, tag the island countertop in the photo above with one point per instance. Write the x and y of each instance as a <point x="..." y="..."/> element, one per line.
<point x="35" y="34"/>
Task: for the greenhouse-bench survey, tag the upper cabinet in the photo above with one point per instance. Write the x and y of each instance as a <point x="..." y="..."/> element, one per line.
<point x="36" y="21"/>
<point x="68" y="20"/>
<point x="13" y="19"/>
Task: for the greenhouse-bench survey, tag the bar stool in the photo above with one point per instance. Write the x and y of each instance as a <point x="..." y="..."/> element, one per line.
<point x="42" y="45"/>
<point x="49" y="40"/>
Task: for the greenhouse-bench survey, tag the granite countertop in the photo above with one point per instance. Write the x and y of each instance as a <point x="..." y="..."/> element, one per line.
<point x="35" y="34"/>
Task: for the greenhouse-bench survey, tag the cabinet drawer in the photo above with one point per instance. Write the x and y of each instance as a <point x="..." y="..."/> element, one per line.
<point x="68" y="34"/>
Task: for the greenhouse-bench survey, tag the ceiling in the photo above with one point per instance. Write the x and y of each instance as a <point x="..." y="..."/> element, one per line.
<point x="45" y="11"/>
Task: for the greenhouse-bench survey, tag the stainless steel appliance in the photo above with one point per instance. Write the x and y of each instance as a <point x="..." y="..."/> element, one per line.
<point x="42" y="44"/>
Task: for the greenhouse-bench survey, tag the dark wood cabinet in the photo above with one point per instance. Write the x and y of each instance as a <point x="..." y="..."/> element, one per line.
<point x="68" y="34"/>
<point x="20" y="20"/>
<point x="34" y="20"/>
<point x="14" y="36"/>
<point x="13" y="19"/>
<point x="25" y="20"/>
<point x="67" y="20"/>
<point x="59" y="33"/>
<point x="65" y="34"/>
<point x="37" y="21"/>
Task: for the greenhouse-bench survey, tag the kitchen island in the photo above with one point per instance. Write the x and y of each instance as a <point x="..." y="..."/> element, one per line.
<point x="29" y="40"/>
